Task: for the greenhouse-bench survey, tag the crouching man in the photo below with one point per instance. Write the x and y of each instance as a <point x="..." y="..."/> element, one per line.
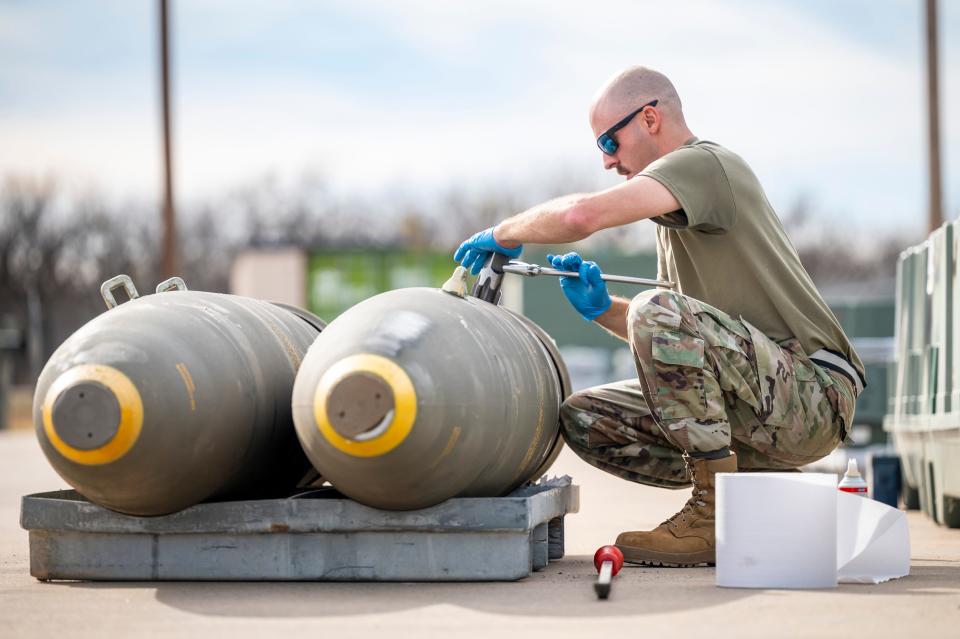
<point x="740" y="366"/>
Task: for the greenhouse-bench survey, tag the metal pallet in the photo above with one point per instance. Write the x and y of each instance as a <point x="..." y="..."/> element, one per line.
<point x="316" y="536"/>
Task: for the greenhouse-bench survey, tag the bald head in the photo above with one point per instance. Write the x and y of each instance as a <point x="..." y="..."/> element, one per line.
<point x="636" y="86"/>
<point x="640" y="136"/>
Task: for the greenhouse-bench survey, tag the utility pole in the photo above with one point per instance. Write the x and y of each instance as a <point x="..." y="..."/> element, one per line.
<point x="935" y="212"/>
<point x="169" y="263"/>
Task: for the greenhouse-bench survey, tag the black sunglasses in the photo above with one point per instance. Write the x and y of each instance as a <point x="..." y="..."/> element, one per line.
<point x="606" y="142"/>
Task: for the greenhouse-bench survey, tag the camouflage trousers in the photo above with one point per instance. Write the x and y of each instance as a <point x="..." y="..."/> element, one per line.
<point x="706" y="381"/>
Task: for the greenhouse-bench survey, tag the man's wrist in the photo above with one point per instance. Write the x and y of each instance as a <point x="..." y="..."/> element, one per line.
<point x="599" y="312"/>
<point x="615" y="317"/>
<point x="501" y="238"/>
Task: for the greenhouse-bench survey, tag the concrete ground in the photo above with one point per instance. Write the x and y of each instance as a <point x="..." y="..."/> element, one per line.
<point x="556" y="602"/>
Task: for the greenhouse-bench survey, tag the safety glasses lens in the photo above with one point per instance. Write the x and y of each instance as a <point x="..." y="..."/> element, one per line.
<point x="607" y="144"/>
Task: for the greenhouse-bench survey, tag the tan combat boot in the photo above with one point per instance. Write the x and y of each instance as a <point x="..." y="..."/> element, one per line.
<point x="689" y="537"/>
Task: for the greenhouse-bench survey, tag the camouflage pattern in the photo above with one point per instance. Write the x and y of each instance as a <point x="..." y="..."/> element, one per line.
<point x="713" y="382"/>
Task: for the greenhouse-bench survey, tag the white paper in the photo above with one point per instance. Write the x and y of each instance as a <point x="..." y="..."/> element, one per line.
<point x="777" y="530"/>
<point x="793" y="530"/>
<point x="873" y="541"/>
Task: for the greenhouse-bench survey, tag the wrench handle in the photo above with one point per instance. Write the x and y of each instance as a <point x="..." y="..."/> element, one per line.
<point x="532" y="270"/>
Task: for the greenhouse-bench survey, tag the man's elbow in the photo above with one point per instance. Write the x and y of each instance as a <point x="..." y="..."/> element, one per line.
<point x="583" y="220"/>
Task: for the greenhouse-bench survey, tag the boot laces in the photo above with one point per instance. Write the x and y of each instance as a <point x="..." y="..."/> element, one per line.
<point x="688" y="508"/>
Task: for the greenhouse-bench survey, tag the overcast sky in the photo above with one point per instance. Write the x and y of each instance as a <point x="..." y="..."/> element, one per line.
<point x="825" y="98"/>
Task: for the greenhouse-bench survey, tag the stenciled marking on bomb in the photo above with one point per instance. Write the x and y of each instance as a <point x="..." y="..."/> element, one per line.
<point x="454" y="436"/>
<point x="188" y="383"/>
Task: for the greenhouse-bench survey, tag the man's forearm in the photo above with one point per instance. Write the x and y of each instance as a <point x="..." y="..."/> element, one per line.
<point x="574" y="217"/>
<point x="553" y="222"/>
<point x="614" y="319"/>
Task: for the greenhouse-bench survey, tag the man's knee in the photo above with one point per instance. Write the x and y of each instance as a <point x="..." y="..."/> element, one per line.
<point x="656" y="308"/>
<point x="573" y="414"/>
<point x="640" y="302"/>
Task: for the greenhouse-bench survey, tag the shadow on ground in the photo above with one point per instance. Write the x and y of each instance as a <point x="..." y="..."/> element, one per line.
<point x="563" y="589"/>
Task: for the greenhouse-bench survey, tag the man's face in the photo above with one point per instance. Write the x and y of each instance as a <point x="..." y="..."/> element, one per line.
<point x="637" y="147"/>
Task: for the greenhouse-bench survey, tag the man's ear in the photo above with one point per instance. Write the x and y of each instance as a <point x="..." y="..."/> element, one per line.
<point x="652" y="120"/>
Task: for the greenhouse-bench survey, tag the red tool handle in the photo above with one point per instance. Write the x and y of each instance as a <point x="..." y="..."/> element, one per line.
<point x="611" y="554"/>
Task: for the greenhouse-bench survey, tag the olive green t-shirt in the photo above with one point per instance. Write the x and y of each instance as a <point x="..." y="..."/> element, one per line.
<point x="727" y="247"/>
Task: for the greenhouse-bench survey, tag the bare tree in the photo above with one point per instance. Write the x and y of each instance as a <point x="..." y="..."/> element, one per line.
<point x="55" y="251"/>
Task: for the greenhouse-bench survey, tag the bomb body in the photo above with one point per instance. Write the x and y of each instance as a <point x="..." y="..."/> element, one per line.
<point x="171" y="399"/>
<point x="415" y="396"/>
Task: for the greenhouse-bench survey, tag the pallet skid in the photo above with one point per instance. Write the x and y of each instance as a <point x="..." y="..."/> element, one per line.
<point x="319" y="536"/>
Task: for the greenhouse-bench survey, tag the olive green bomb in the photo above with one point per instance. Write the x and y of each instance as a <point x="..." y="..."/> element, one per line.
<point x="171" y="399"/>
<point x="417" y="395"/>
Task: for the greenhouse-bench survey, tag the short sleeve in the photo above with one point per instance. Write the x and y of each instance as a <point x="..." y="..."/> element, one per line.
<point x="695" y="176"/>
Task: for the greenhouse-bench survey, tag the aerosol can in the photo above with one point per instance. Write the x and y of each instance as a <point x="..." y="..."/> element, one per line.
<point x="852" y="482"/>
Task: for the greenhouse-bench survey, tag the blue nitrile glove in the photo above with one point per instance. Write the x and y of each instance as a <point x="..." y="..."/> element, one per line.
<point x="587" y="293"/>
<point x="475" y="251"/>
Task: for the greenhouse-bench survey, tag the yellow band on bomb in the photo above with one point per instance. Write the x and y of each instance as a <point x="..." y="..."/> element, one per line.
<point x="404" y="412"/>
<point x="131" y="414"/>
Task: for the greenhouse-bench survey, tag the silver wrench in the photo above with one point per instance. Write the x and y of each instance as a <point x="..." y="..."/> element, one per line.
<point x="532" y="270"/>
